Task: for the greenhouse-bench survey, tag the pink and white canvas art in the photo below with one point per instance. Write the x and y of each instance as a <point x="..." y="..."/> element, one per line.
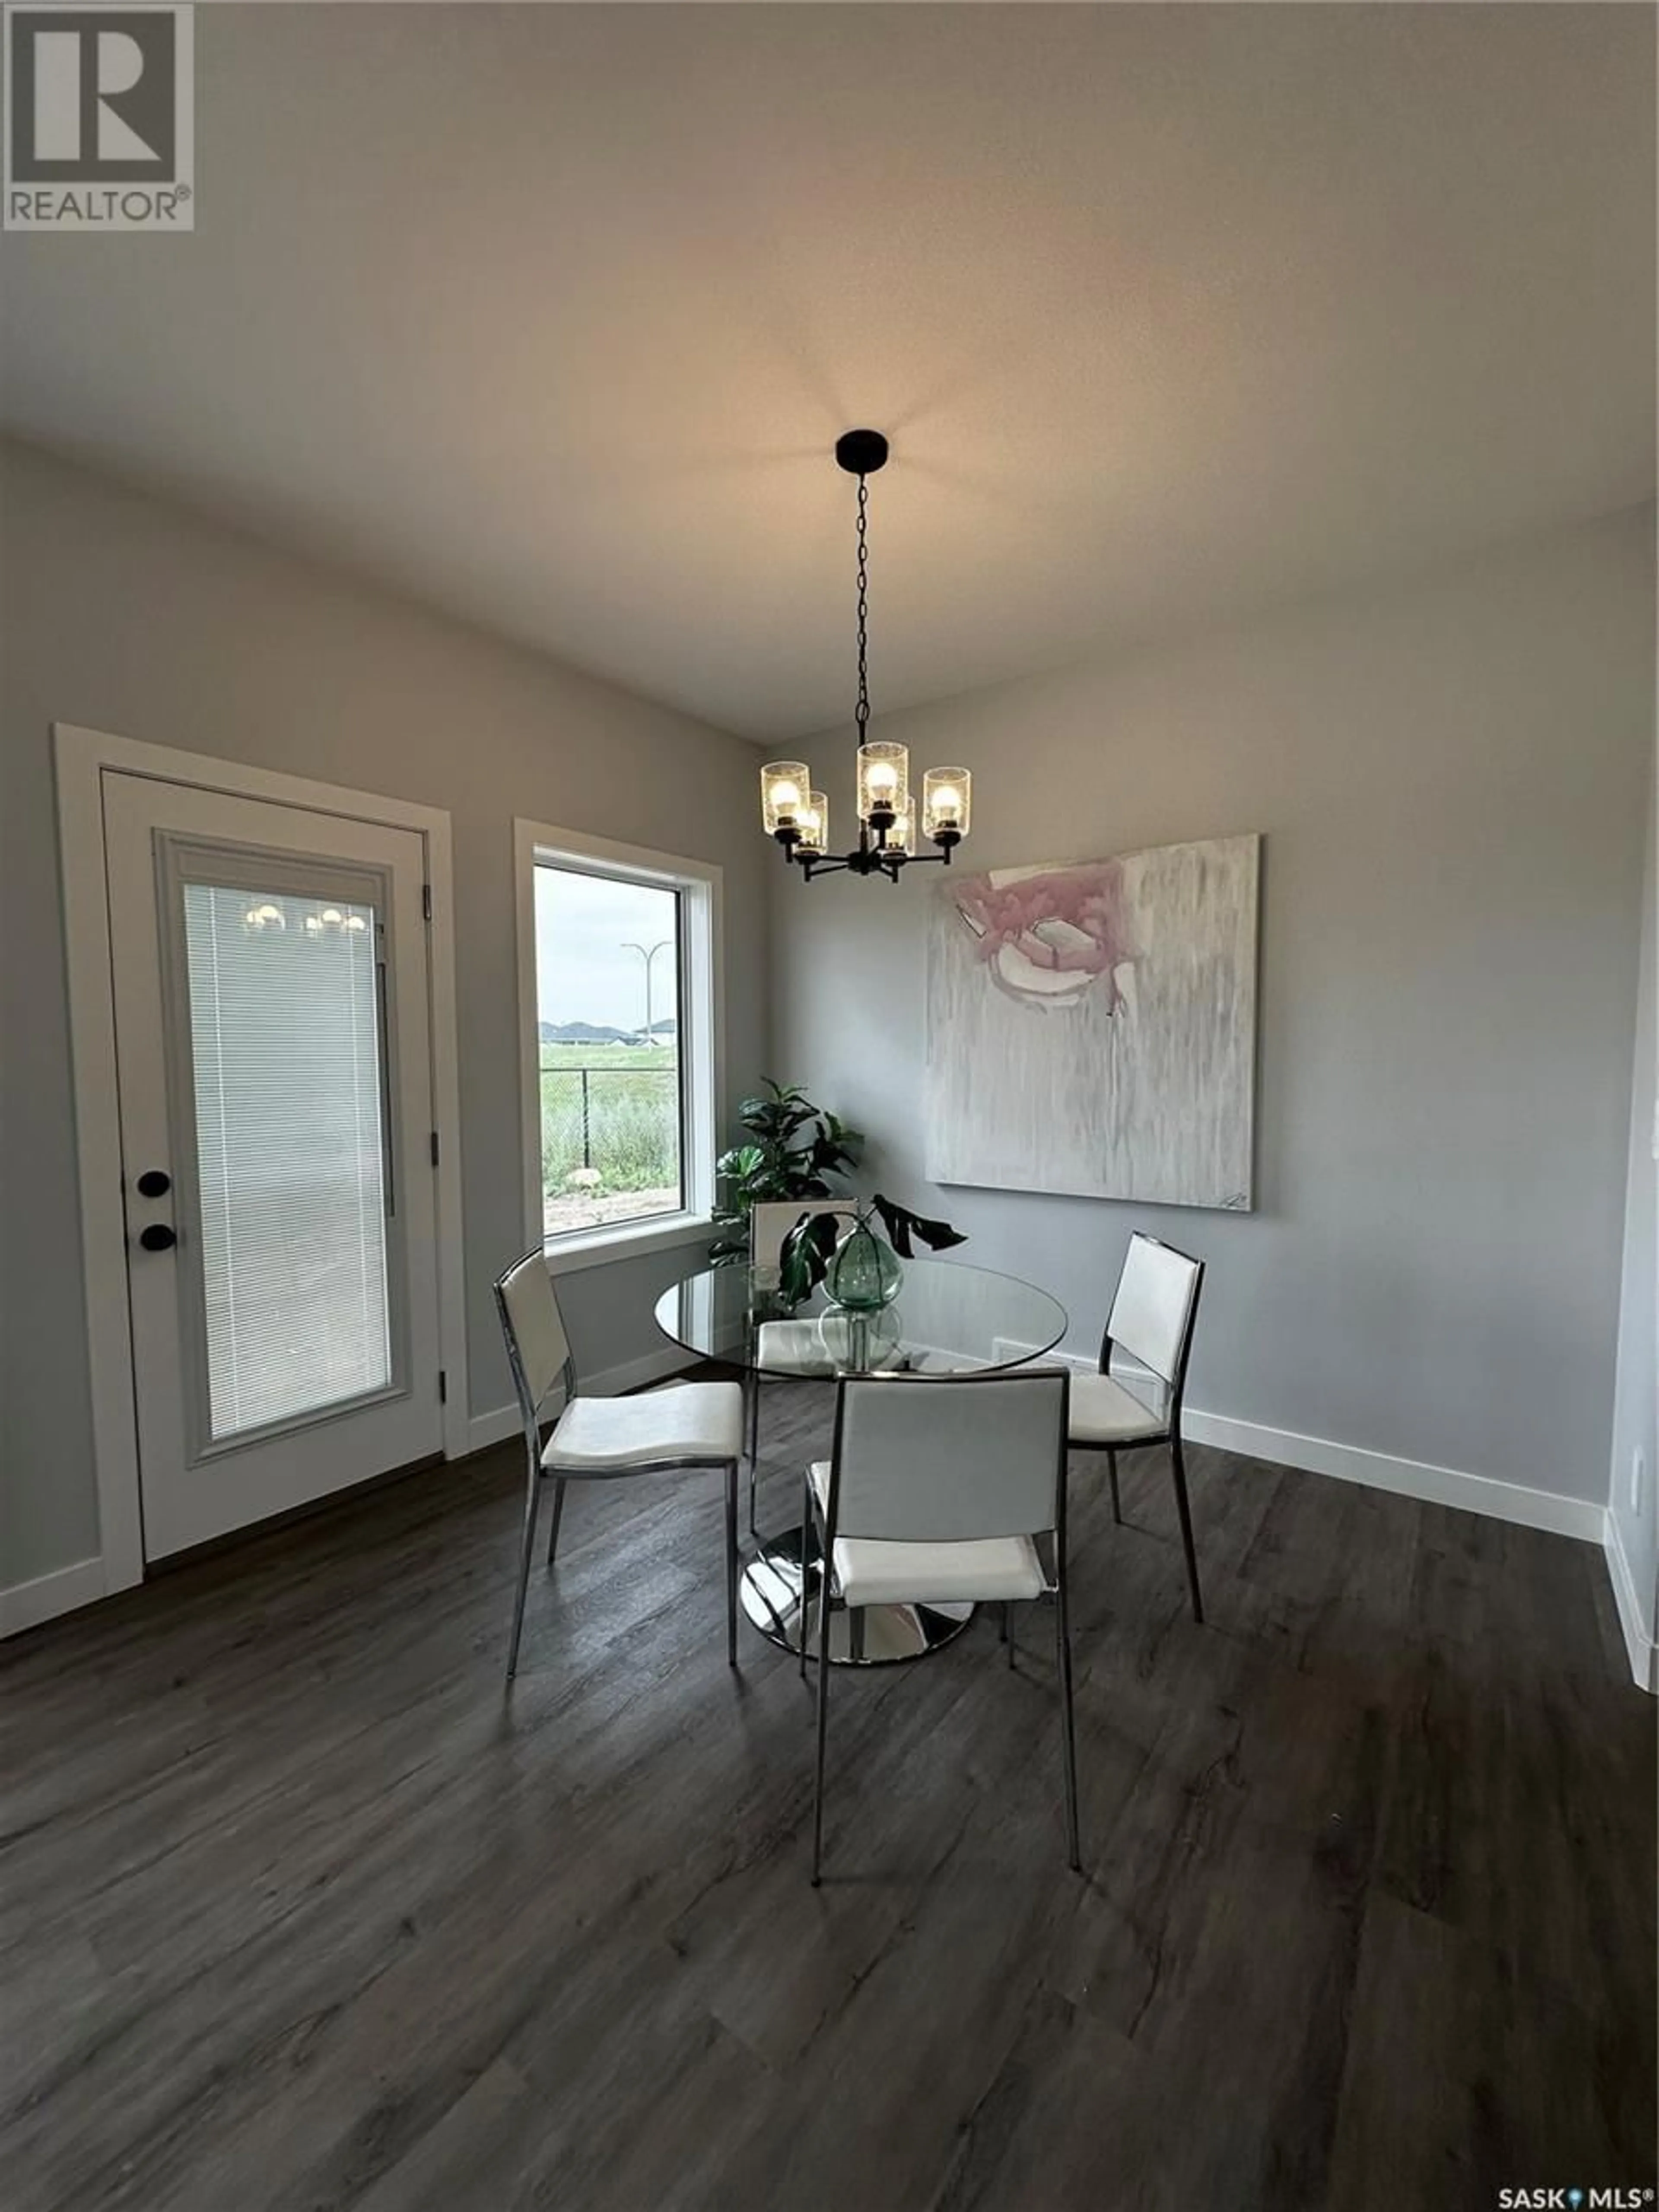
<point x="1092" y="1026"/>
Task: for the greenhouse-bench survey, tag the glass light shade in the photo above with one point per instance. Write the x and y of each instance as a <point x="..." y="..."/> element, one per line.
<point x="946" y="800"/>
<point x="814" y="824"/>
<point x="902" y="837"/>
<point x="884" y="783"/>
<point x="784" y="788"/>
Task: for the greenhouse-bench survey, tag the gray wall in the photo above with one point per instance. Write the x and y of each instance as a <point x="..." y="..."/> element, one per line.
<point x="1635" y="1415"/>
<point x="1451" y="780"/>
<point x="129" y="615"/>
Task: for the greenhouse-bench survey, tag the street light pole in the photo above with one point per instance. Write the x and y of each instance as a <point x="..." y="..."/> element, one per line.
<point x="663" y="944"/>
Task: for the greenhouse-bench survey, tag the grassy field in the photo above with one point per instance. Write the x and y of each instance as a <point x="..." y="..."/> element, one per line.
<point x="632" y="1119"/>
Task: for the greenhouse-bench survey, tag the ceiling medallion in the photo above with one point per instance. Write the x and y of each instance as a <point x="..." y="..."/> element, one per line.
<point x="798" y="817"/>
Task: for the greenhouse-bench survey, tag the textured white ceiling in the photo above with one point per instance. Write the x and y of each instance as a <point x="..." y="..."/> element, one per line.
<point x="551" y="315"/>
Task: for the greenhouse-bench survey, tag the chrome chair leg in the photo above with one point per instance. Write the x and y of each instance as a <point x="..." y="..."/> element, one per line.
<point x="559" y="1487"/>
<point x="731" y="1563"/>
<point x="806" y="1534"/>
<point x="824" y="1724"/>
<point x="1111" y="1476"/>
<point x="526" y="1550"/>
<point x="1068" y="1738"/>
<point x="751" y="1389"/>
<point x="1185" y="1511"/>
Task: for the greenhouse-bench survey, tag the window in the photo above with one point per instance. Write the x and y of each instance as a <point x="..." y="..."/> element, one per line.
<point x="617" y="991"/>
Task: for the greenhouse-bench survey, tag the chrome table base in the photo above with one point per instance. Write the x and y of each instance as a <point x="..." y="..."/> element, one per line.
<point x="770" y="1593"/>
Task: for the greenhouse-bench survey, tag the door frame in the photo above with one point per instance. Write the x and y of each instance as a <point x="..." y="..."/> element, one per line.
<point x="83" y="758"/>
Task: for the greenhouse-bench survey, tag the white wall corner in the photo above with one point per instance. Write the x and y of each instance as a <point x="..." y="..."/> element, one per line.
<point x="1638" y="1630"/>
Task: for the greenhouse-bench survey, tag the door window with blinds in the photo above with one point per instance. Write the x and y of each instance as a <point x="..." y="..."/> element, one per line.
<point x="282" y="1070"/>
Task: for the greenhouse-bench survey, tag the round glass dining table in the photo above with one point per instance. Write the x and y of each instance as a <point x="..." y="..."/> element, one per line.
<point x="948" y="1319"/>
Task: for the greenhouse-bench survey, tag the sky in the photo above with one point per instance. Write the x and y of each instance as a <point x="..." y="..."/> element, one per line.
<point x="583" y="971"/>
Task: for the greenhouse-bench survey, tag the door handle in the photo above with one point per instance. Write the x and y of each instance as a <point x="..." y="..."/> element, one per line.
<point x="158" y="1238"/>
<point x="155" y="1182"/>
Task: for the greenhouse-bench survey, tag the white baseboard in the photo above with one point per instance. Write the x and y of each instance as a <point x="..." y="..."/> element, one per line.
<point x="635" y="1374"/>
<point x="26" y="1605"/>
<point x="1638" y="1630"/>
<point x="485" y="1430"/>
<point x="1578" y="1517"/>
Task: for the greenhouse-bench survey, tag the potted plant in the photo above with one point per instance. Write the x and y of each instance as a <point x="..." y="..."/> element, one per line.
<point x="793" y="1149"/>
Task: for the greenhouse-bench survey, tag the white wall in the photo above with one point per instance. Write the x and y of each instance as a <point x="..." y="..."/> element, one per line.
<point x="1633" y="1533"/>
<point x="1450" y="777"/>
<point x="129" y="615"/>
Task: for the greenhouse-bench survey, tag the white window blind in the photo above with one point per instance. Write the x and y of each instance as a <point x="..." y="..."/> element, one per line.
<point x="286" y="1059"/>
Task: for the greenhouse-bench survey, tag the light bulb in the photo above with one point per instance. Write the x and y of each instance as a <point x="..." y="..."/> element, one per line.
<point x="881" y="780"/>
<point x="946" y="800"/>
<point x="783" y="793"/>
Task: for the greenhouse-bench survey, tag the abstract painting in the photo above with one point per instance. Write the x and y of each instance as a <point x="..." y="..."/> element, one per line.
<point x="1092" y="1026"/>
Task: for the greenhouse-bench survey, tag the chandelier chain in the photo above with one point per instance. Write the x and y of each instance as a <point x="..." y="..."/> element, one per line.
<point x="862" y="714"/>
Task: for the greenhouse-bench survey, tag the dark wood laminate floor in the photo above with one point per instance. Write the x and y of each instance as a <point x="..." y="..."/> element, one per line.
<point x="299" y="1911"/>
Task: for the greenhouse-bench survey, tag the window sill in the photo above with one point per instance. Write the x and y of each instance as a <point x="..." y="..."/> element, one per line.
<point x="598" y="1248"/>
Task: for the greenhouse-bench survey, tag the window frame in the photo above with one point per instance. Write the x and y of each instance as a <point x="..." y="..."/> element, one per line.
<point x="701" y="1012"/>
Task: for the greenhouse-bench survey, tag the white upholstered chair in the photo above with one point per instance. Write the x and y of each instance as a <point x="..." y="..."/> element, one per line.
<point x="1134" y="1400"/>
<point x="772" y="1219"/>
<point x="791" y="1345"/>
<point x="686" y="1425"/>
<point x="937" y="1491"/>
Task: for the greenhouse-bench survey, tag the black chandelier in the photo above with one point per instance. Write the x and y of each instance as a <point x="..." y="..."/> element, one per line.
<point x="798" y="817"/>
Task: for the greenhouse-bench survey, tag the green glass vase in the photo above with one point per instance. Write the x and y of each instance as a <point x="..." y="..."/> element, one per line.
<point x="864" y="1275"/>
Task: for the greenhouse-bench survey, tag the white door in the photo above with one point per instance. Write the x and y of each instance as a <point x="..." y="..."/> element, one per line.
<point x="270" y="993"/>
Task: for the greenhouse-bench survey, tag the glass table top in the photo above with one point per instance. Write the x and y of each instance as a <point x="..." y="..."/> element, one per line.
<point x="947" y="1319"/>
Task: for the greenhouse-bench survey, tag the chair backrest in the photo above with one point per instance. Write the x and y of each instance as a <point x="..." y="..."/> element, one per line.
<point x="771" y="1220"/>
<point x="1154" y="1309"/>
<point x="538" y="1348"/>
<point x="949" y="1458"/>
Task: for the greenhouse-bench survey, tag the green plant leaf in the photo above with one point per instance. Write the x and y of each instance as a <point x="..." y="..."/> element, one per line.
<point x="805" y="1258"/>
<point x="901" y="1224"/>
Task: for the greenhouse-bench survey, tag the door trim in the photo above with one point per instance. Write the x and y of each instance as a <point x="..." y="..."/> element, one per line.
<point x="83" y="758"/>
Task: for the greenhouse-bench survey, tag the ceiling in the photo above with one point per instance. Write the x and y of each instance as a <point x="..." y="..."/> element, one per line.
<point x="551" y="316"/>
